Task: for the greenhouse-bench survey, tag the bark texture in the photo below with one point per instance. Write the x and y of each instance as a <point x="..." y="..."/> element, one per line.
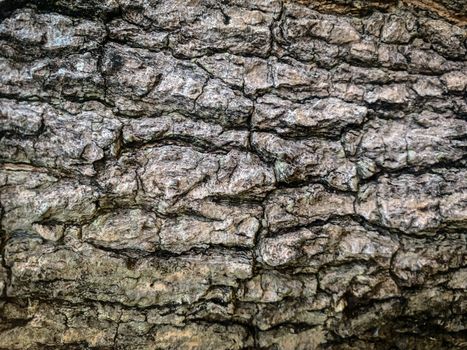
<point x="265" y="174"/>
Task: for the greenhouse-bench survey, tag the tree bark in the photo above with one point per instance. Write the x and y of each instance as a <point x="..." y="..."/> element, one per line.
<point x="233" y="174"/>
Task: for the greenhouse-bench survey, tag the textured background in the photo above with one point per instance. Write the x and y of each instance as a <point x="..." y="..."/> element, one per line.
<point x="233" y="174"/>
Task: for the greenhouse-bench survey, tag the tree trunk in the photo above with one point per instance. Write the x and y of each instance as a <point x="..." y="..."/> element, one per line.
<point x="233" y="174"/>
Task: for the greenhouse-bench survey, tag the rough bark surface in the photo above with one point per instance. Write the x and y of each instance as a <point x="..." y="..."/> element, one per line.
<point x="233" y="174"/>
